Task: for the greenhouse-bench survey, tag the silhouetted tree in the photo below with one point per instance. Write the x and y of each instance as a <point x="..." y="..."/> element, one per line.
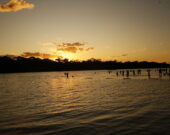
<point x="32" y="64"/>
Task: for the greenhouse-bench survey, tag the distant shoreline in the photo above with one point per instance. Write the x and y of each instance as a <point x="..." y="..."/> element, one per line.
<point x="77" y="70"/>
<point x="25" y="65"/>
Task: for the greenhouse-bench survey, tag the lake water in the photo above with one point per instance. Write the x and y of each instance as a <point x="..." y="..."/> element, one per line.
<point x="86" y="103"/>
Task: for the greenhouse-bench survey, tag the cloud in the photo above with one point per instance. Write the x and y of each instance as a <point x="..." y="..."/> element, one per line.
<point x="15" y="5"/>
<point x="74" y="49"/>
<point x="163" y="44"/>
<point x="75" y="44"/>
<point x="69" y="47"/>
<point x="123" y="55"/>
<point x="10" y="56"/>
<point x="40" y="55"/>
<point x="90" y="48"/>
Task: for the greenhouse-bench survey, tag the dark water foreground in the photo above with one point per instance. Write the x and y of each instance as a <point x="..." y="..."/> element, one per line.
<point x="88" y="103"/>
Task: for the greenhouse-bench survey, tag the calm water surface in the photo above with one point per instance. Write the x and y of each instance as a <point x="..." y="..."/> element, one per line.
<point x="90" y="103"/>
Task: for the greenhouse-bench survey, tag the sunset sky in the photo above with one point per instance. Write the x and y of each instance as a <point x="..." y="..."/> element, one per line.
<point x="125" y="30"/>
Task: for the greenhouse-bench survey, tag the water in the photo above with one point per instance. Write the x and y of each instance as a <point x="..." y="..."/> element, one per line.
<point x="91" y="102"/>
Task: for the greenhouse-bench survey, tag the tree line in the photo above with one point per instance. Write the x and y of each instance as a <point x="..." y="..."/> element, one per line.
<point x="32" y="64"/>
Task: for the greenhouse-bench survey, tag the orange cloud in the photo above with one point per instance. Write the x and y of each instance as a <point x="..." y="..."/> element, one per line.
<point x="73" y="49"/>
<point x="123" y="55"/>
<point x="69" y="47"/>
<point x="15" y="5"/>
<point x="64" y="44"/>
<point x="72" y="44"/>
<point x="163" y="43"/>
<point x="90" y="48"/>
<point x="10" y="56"/>
<point x="40" y="55"/>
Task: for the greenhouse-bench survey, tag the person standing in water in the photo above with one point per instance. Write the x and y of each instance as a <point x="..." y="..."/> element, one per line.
<point x="160" y="73"/>
<point x="127" y="73"/>
<point x="149" y="73"/>
<point x="123" y="72"/>
<point x="134" y="73"/>
<point x="139" y="72"/>
<point x="66" y="74"/>
<point x="117" y="74"/>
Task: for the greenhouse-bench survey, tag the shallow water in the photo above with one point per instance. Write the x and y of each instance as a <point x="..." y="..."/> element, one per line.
<point x="86" y="103"/>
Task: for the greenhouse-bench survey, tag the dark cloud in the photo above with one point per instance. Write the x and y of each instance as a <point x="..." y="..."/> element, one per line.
<point x="123" y="55"/>
<point x="33" y="54"/>
<point x="75" y="44"/>
<point x="40" y="55"/>
<point x="74" y="49"/>
<point x="10" y="56"/>
<point x="69" y="47"/>
<point x="164" y="44"/>
<point x="15" y="5"/>
<point x="90" y="48"/>
<point x="81" y="49"/>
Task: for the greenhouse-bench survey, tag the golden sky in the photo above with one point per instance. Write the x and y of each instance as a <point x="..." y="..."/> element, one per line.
<point x="125" y="30"/>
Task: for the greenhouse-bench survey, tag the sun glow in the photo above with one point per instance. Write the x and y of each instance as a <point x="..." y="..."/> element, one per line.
<point x="68" y="55"/>
<point x="64" y="55"/>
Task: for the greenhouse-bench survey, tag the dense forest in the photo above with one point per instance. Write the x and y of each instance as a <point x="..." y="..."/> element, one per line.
<point x="32" y="64"/>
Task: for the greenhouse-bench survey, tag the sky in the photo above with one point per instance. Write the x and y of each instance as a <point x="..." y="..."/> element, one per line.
<point x="123" y="30"/>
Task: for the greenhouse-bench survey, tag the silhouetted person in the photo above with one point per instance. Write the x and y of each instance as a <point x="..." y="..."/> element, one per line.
<point x="117" y="74"/>
<point x="134" y="73"/>
<point x="127" y="73"/>
<point x="66" y="74"/>
<point x="123" y="73"/>
<point x="160" y="73"/>
<point x="149" y="73"/>
<point x="139" y="72"/>
<point x="109" y="72"/>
